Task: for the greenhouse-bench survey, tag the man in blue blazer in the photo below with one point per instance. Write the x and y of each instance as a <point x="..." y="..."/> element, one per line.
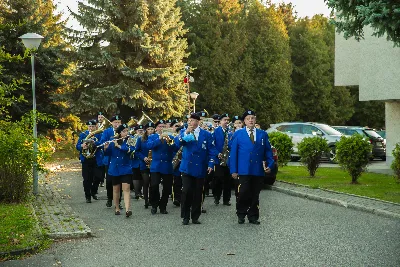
<point x="250" y="148"/>
<point x="222" y="179"/>
<point x="91" y="163"/>
<point x="198" y="157"/>
<point x="160" y="168"/>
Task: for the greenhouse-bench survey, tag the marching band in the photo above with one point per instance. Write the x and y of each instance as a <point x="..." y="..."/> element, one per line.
<point x="187" y="159"/>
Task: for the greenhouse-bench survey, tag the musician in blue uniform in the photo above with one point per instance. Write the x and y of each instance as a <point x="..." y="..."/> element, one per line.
<point x="120" y="168"/>
<point x="222" y="179"/>
<point x="177" y="179"/>
<point x="143" y="153"/>
<point x="161" y="167"/>
<point x="100" y="120"/>
<point x="91" y="159"/>
<point x="108" y="135"/>
<point x="198" y="157"/>
<point x="137" y="179"/>
<point x="250" y="148"/>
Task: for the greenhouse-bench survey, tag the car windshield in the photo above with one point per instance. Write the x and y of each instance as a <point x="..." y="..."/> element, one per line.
<point x="328" y="129"/>
<point x="372" y="133"/>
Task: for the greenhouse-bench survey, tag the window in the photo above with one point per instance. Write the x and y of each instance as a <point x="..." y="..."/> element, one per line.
<point x="290" y="128"/>
<point x="309" y="129"/>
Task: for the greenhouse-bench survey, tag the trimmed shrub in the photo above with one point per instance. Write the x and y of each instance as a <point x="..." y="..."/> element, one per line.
<point x="311" y="150"/>
<point x="352" y="154"/>
<point x="396" y="162"/>
<point x="16" y="160"/>
<point x="283" y="144"/>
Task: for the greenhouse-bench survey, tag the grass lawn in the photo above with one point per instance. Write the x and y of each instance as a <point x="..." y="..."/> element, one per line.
<point x="373" y="185"/>
<point x="17" y="228"/>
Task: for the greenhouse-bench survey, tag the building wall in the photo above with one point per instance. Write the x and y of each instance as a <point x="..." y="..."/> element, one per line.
<point x="374" y="65"/>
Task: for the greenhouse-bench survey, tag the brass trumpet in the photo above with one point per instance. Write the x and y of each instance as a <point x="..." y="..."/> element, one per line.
<point x="165" y="135"/>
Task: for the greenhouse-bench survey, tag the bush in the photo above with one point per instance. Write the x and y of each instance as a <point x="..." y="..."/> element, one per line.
<point x="16" y="160"/>
<point x="283" y="144"/>
<point x="396" y="162"/>
<point x="311" y="150"/>
<point x="352" y="154"/>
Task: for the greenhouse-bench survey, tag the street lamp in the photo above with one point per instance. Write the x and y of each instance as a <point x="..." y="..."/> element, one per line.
<point x="194" y="95"/>
<point x="32" y="41"/>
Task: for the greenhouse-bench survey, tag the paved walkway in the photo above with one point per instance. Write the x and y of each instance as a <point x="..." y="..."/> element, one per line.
<point x="379" y="207"/>
<point x="55" y="216"/>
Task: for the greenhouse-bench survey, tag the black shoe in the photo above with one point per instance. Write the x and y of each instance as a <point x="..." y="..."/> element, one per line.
<point x="216" y="201"/>
<point x="128" y="214"/>
<point x="185" y="221"/>
<point x="146" y="206"/>
<point x="203" y="210"/>
<point x="101" y="184"/>
<point x="163" y="211"/>
<point x="95" y="197"/>
<point x="137" y="197"/>
<point x="120" y="206"/>
<point x="227" y="203"/>
<point x="153" y="211"/>
<point x="117" y="212"/>
<point x="240" y="220"/>
<point x="254" y="222"/>
<point x="88" y="200"/>
<point x="207" y="193"/>
<point x="177" y="203"/>
<point x="109" y="203"/>
<point x="196" y="222"/>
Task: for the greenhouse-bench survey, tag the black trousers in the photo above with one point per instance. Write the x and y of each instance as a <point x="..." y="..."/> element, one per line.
<point x="248" y="196"/>
<point x="156" y="200"/>
<point x="177" y="188"/>
<point x="222" y="183"/>
<point x="90" y="181"/>
<point x="192" y="196"/>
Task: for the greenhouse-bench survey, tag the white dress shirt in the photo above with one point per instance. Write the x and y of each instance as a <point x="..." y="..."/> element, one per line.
<point x="254" y="132"/>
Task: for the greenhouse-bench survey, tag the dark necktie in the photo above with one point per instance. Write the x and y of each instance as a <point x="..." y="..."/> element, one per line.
<point x="252" y="136"/>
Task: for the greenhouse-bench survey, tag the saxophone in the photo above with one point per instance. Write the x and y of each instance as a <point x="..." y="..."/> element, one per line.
<point x="132" y="142"/>
<point x="150" y="157"/>
<point x="177" y="158"/>
<point x="225" y="152"/>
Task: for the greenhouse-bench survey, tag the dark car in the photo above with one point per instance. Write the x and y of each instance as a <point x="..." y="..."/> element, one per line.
<point x="377" y="142"/>
<point x="270" y="178"/>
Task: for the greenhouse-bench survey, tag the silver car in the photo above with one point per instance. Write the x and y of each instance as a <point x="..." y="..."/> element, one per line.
<point x="299" y="130"/>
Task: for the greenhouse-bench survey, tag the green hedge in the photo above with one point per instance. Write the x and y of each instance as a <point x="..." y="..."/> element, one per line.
<point x="311" y="150"/>
<point x="16" y="160"/>
<point x="396" y="161"/>
<point x="283" y="144"/>
<point x="352" y="154"/>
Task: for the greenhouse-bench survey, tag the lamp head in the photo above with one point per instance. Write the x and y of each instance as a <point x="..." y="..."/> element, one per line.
<point x="31" y="40"/>
<point x="194" y="95"/>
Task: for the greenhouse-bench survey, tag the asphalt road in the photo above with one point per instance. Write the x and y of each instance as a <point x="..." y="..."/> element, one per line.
<point x="293" y="232"/>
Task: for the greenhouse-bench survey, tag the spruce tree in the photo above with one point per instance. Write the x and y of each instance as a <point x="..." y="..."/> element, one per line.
<point x="129" y="58"/>
<point x="266" y="66"/>
<point x="18" y="17"/>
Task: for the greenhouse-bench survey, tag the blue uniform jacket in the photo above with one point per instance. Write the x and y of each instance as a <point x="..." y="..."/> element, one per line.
<point x="120" y="159"/>
<point x="247" y="158"/>
<point x="162" y="154"/>
<point x="142" y="151"/>
<point x="107" y="135"/>
<point x="220" y="140"/>
<point x="197" y="155"/>
<point x="99" y="152"/>
<point x="135" y="161"/>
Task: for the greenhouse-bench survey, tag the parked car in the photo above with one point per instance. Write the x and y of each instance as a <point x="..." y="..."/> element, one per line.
<point x="300" y="130"/>
<point x="270" y="178"/>
<point x="377" y="142"/>
<point x="382" y="133"/>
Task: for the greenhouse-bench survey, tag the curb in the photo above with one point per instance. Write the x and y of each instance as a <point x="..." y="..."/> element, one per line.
<point x="336" y="202"/>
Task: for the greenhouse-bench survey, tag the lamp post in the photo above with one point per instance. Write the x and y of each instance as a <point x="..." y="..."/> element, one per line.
<point x="194" y="95"/>
<point x="32" y="41"/>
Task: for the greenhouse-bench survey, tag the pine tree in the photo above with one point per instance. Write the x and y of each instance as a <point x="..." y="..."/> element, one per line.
<point x="266" y="66"/>
<point x="18" y="17"/>
<point x="130" y="57"/>
<point x="215" y="42"/>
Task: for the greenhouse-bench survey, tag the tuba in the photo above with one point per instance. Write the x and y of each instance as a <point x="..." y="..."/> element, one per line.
<point x="90" y="140"/>
<point x="143" y="120"/>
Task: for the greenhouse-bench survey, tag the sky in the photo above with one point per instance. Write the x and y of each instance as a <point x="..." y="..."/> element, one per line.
<point x="303" y="7"/>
